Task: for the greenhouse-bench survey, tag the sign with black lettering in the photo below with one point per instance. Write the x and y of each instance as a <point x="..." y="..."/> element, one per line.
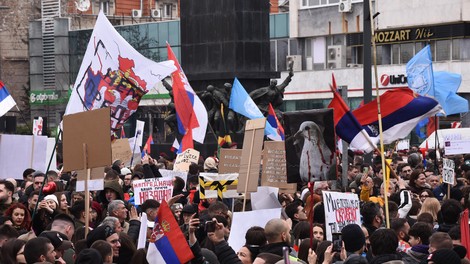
<point x="153" y="188"/>
<point x="341" y="209"/>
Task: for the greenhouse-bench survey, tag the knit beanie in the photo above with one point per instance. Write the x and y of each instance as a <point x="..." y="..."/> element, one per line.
<point x="353" y="237"/>
<point x="444" y="256"/>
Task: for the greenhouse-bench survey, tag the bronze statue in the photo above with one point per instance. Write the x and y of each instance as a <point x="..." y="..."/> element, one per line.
<point x="170" y="120"/>
<point x="273" y="94"/>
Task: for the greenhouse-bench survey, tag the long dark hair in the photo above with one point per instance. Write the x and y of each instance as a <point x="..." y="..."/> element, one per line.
<point x="10" y="250"/>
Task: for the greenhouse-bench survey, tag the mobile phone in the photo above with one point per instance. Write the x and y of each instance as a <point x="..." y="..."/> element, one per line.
<point x="285" y="252"/>
<point x="366" y="170"/>
<point x="209" y="226"/>
<point x="337" y="242"/>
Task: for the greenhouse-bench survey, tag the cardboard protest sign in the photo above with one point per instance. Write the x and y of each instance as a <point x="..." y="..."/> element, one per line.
<point x="170" y="173"/>
<point x="242" y="221"/>
<point x="90" y="128"/>
<point x="265" y="198"/>
<point x="251" y="155"/>
<point x="215" y="185"/>
<point x="121" y="150"/>
<point x="341" y="209"/>
<point x="18" y="152"/>
<point x="310" y="145"/>
<point x="153" y="188"/>
<point x="229" y="160"/>
<point x="183" y="160"/>
<point x="274" y="166"/>
<point x="448" y="174"/>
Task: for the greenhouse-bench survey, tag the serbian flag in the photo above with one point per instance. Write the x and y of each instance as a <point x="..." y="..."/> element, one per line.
<point x="167" y="242"/>
<point x="274" y="122"/>
<point x="401" y="111"/>
<point x="176" y="147"/>
<point x="346" y="125"/>
<point x="6" y="101"/>
<point x="147" y="147"/>
<point x="191" y="113"/>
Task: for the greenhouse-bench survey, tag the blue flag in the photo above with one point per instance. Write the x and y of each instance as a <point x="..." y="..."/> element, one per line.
<point x="443" y="86"/>
<point x="242" y="103"/>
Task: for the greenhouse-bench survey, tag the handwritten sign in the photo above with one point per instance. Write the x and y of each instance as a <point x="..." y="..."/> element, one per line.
<point x="183" y="160"/>
<point x="274" y="166"/>
<point x="230" y="160"/>
<point x="448" y="175"/>
<point x="153" y="188"/>
<point x="341" y="209"/>
<point x="121" y="150"/>
<point x="169" y="173"/>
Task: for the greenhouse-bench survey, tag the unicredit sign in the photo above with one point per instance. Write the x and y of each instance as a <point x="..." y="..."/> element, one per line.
<point x="387" y="79"/>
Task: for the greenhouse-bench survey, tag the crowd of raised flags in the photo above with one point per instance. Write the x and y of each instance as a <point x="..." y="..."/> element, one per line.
<point x="109" y="60"/>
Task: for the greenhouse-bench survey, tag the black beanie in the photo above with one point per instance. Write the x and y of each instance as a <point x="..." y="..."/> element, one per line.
<point x="353" y="237"/>
<point x="89" y="256"/>
<point x="444" y="256"/>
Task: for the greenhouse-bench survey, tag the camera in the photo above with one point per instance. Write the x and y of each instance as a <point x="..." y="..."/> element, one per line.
<point x="209" y="226"/>
<point x="337" y="242"/>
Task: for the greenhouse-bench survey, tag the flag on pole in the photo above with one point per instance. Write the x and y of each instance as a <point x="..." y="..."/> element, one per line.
<point x="274" y="122"/>
<point x="37" y="126"/>
<point x="224" y="136"/>
<point x="113" y="74"/>
<point x="167" y="242"/>
<point x="401" y="110"/>
<point x="346" y="125"/>
<point x="242" y="103"/>
<point x="6" y="100"/>
<point x="176" y="147"/>
<point x="123" y="133"/>
<point x="191" y="113"/>
<point x="147" y="147"/>
<point x="443" y="86"/>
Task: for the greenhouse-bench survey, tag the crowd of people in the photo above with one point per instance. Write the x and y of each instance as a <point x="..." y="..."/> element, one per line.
<point x="44" y="217"/>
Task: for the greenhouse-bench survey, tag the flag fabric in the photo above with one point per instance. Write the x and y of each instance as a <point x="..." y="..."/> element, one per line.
<point x="443" y="86"/>
<point x="176" y="147"/>
<point x="346" y="125"/>
<point x="37" y="126"/>
<point x="432" y="125"/>
<point x="274" y="122"/>
<point x="455" y="124"/>
<point x="123" y="133"/>
<point x="187" y="141"/>
<point x="6" y="100"/>
<point x="191" y="114"/>
<point x="113" y="74"/>
<point x="224" y="136"/>
<point x="242" y="103"/>
<point x="465" y="231"/>
<point x="148" y="147"/>
<point x="167" y="242"/>
<point x="401" y="110"/>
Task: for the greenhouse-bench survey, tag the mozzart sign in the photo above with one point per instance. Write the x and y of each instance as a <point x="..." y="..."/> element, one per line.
<point x="403" y="35"/>
<point x="47" y="97"/>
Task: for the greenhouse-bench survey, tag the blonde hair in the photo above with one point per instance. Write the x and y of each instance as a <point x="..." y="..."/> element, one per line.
<point x="432" y="206"/>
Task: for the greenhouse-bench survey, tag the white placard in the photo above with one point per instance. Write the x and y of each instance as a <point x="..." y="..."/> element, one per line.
<point x="50" y="149"/>
<point x="153" y="188"/>
<point x="403" y="144"/>
<point x="171" y="173"/>
<point x="448" y="175"/>
<point x="455" y="147"/>
<point x="341" y="209"/>
<point x="93" y="185"/>
<point x="264" y="201"/>
<point x="139" y="133"/>
<point x="15" y="155"/>
<point x="242" y="221"/>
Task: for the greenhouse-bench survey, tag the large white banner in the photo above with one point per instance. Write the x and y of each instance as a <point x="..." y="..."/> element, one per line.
<point x="113" y="74"/>
<point x="341" y="209"/>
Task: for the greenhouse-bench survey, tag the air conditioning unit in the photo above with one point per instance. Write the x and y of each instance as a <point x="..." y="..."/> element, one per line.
<point x="336" y="57"/>
<point x="345" y="6"/>
<point x="309" y="62"/>
<point x="297" y="60"/>
<point x="136" y="13"/>
<point x="353" y="65"/>
<point x="155" y="13"/>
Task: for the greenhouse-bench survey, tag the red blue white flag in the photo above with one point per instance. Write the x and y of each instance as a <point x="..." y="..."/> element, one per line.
<point x="191" y="113"/>
<point x="167" y="242"/>
<point x="6" y="101"/>
<point x="274" y="122"/>
<point x="401" y="111"/>
<point x="113" y="74"/>
<point x="346" y="125"/>
<point x="147" y="147"/>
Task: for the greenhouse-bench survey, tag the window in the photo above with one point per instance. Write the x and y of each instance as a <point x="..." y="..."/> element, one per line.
<point x="443" y="50"/>
<point x="167" y="10"/>
<point x="321" y="3"/>
<point x="395" y="53"/>
<point x="461" y="49"/>
<point x="105" y="7"/>
<point x="406" y="52"/>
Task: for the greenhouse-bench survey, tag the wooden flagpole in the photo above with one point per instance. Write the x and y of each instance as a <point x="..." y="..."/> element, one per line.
<point x="87" y="193"/>
<point x="374" y="57"/>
